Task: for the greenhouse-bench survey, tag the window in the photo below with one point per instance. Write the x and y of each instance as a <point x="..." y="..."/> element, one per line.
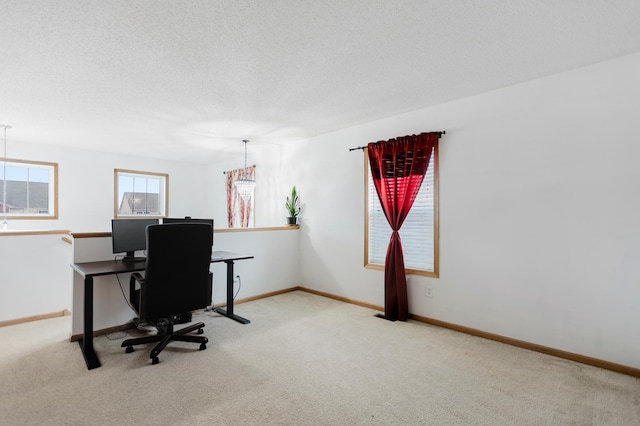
<point x="419" y="232"/>
<point x="140" y="194"/>
<point x="31" y="189"/>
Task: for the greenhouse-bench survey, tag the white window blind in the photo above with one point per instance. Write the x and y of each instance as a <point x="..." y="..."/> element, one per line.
<point x="417" y="232"/>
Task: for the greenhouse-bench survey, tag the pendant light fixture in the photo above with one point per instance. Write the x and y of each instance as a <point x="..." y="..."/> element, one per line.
<point x="4" y="178"/>
<point x="245" y="185"/>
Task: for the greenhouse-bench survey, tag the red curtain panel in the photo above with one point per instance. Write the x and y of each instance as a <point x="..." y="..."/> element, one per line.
<point x="398" y="167"/>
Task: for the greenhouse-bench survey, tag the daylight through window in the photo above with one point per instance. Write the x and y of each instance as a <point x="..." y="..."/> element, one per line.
<point x="140" y="193"/>
<point x="31" y="189"/>
<point x="419" y="232"/>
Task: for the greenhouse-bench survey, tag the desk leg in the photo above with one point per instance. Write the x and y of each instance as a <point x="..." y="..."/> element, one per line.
<point x="229" y="311"/>
<point x="86" y="343"/>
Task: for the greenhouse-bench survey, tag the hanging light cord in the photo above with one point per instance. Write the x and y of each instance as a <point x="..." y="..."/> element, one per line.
<point x="244" y="172"/>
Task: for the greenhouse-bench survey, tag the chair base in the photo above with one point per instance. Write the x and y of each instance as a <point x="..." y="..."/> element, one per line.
<point x="166" y="334"/>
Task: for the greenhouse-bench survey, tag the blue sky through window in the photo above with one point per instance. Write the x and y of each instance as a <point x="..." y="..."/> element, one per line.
<point x="30" y="174"/>
<point x="127" y="183"/>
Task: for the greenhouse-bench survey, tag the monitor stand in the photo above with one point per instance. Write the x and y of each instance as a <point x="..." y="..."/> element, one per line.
<point x="130" y="257"/>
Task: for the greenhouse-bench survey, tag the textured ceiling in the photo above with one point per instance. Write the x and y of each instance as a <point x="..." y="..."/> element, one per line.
<point x="188" y="80"/>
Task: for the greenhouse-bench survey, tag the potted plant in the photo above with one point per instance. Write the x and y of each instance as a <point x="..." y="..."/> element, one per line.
<point x="293" y="206"/>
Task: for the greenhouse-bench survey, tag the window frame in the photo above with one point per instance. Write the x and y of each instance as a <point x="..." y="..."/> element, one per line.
<point x="136" y="173"/>
<point x="53" y="190"/>
<point x="436" y="233"/>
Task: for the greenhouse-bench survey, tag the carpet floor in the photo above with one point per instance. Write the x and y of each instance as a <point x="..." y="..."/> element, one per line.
<point x="303" y="360"/>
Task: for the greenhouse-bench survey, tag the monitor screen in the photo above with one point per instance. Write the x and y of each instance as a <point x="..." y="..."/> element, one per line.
<point x="129" y="236"/>
<point x="188" y="219"/>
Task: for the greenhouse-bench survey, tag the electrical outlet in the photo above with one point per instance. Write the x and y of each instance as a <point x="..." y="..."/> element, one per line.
<point x="429" y="291"/>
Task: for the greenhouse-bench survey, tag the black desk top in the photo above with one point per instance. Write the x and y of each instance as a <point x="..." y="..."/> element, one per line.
<point x="109" y="267"/>
<point x="223" y="256"/>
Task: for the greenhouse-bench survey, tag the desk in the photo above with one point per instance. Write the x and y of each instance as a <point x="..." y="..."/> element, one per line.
<point x="229" y="258"/>
<point x="88" y="270"/>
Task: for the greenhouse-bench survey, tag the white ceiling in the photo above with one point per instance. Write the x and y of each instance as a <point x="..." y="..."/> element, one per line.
<point x="188" y="80"/>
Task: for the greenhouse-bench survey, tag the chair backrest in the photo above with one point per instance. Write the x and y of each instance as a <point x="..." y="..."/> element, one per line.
<point x="177" y="270"/>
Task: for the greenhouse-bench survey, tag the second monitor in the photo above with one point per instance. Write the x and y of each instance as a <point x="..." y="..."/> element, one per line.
<point x="188" y="219"/>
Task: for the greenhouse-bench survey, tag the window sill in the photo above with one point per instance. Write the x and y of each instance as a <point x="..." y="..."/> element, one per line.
<point x="408" y="271"/>
<point x="270" y="228"/>
<point x="215" y="231"/>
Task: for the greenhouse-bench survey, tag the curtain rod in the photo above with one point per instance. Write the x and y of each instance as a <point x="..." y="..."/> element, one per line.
<point x="254" y="166"/>
<point x="444" y="132"/>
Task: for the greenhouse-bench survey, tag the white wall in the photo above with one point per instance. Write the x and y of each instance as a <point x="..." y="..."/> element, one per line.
<point x="35" y="276"/>
<point x="275" y="265"/>
<point x="86" y="185"/>
<point x="85" y="195"/>
<point x="274" y="179"/>
<point x="539" y="228"/>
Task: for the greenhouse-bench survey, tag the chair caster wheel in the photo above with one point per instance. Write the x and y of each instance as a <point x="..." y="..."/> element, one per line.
<point x="203" y="346"/>
<point x="155" y="360"/>
<point x="129" y="349"/>
<point x="200" y="331"/>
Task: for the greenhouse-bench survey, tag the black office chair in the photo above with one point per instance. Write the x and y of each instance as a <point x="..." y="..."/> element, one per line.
<point x="177" y="281"/>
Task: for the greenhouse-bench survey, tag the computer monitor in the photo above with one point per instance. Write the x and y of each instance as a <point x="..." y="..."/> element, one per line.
<point x="188" y="219"/>
<point x="129" y="236"/>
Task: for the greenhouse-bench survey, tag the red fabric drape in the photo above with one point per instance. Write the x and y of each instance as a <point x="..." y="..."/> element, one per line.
<point x="398" y="167"/>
